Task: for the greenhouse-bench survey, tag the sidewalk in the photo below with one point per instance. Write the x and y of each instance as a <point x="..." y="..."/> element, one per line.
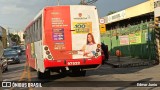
<point x="124" y="62"/>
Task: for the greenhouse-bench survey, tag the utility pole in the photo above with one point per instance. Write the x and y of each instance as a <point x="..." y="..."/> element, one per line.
<point x="8" y="38"/>
<point x="58" y="2"/>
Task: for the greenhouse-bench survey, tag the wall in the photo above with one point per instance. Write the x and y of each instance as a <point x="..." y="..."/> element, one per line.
<point x="135" y="41"/>
<point x="3" y="34"/>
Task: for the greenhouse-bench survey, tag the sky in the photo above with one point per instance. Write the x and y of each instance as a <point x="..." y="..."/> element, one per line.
<point x="17" y="14"/>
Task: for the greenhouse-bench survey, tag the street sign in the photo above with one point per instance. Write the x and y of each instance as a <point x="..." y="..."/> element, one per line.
<point x="102" y="28"/>
<point x="102" y="21"/>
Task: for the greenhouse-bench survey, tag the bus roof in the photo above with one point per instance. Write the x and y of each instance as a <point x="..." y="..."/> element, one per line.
<point x="35" y="18"/>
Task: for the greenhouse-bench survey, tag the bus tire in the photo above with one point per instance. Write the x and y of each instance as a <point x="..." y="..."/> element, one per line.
<point x="47" y="74"/>
<point x="40" y="75"/>
<point x="64" y="72"/>
<point x="78" y="72"/>
<point x="83" y="73"/>
<point x="44" y="75"/>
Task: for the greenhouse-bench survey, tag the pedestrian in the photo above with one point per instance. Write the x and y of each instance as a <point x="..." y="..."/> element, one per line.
<point x="105" y="51"/>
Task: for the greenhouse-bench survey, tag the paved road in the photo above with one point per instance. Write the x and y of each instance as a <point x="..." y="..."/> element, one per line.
<point x="104" y="73"/>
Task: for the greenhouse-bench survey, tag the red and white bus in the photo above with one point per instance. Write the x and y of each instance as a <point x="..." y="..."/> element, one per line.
<point x="60" y="39"/>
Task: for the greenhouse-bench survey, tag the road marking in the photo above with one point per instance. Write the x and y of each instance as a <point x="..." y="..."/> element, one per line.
<point x="25" y="72"/>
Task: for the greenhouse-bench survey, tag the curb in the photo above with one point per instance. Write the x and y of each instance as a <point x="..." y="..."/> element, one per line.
<point x="149" y="63"/>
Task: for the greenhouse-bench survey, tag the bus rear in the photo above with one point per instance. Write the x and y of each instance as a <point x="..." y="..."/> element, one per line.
<point x="71" y="39"/>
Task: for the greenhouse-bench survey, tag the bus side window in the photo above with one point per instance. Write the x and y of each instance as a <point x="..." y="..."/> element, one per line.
<point x="29" y="40"/>
<point x="36" y="30"/>
<point x="41" y="28"/>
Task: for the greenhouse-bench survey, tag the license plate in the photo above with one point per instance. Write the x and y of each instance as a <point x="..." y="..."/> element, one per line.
<point x="73" y="63"/>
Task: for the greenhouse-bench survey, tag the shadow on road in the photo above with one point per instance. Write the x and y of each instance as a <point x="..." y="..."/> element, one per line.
<point x="106" y="70"/>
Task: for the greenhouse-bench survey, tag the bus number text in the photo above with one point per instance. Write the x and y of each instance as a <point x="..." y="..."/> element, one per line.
<point x="73" y="63"/>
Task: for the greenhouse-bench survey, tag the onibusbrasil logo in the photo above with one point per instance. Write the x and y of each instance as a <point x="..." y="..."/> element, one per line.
<point x="21" y="84"/>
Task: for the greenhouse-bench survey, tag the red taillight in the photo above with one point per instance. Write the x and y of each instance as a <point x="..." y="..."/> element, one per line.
<point x="96" y="54"/>
<point x="47" y="52"/>
<point x="49" y="57"/>
<point x="99" y="46"/>
<point x="46" y="48"/>
<point x="97" y="50"/>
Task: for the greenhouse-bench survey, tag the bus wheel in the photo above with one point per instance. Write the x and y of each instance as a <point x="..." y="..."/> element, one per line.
<point x="47" y="74"/>
<point x="78" y="72"/>
<point x="31" y="69"/>
<point x="40" y="75"/>
<point x="83" y="73"/>
<point x="64" y="72"/>
<point x="44" y="75"/>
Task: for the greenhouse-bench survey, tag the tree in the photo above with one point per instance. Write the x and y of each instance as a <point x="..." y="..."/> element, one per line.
<point x="111" y="12"/>
<point x="15" y="38"/>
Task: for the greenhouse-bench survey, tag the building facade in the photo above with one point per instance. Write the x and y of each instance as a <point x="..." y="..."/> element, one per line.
<point x="3" y="35"/>
<point x="129" y="31"/>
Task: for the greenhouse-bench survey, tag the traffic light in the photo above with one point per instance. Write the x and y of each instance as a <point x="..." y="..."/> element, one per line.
<point x="156" y="22"/>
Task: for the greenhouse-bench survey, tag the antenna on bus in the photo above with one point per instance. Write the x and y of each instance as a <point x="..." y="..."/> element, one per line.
<point x="58" y="2"/>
